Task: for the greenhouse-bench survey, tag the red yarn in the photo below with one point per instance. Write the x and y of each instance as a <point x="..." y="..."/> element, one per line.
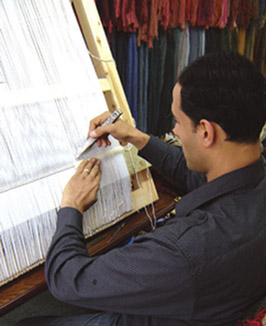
<point x="194" y="12"/>
<point x="256" y="321"/>
<point x="234" y="12"/>
<point x="188" y="15"/>
<point x="205" y="12"/>
<point x="247" y="11"/>
<point x="129" y="18"/>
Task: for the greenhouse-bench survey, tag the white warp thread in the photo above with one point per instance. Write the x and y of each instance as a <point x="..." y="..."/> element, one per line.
<point x="48" y="91"/>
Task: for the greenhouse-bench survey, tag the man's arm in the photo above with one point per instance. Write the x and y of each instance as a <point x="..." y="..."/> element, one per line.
<point x="149" y="277"/>
<point x="171" y="162"/>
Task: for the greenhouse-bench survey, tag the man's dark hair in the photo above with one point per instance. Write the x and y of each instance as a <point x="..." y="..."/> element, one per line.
<point x="226" y="89"/>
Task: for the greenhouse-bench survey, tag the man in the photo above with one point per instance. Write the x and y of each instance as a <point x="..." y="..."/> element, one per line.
<point x="207" y="265"/>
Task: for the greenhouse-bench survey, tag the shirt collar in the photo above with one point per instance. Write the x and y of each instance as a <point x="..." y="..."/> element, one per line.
<point x="241" y="178"/>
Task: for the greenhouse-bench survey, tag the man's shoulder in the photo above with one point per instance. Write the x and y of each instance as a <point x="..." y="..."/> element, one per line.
<point x="220" y="226"/>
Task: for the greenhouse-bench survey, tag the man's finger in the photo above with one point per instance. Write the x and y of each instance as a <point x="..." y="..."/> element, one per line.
<point x="98" y="177"/>
<point x="95" y="123"/>
<point x="100" y="131"/>
<point x="81" y="166"/>
<point x="90" y="164"/>
<point x="95" y="169"/>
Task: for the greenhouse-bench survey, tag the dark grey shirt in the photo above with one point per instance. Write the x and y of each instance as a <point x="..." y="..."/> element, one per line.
<point x="206" y="266"/>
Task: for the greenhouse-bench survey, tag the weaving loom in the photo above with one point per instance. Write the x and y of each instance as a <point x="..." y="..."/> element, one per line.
<point x="49" y="91"/>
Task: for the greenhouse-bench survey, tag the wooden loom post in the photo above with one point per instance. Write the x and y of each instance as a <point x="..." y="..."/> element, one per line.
<point x="105" y="67"/>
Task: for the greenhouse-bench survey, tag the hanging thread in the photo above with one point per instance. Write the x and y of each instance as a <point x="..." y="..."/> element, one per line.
<point x="49" y="94"/>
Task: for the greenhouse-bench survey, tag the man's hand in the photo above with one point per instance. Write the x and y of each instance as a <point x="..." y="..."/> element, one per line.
<point x="120" y="130"/>
<point x="81" y="190"/>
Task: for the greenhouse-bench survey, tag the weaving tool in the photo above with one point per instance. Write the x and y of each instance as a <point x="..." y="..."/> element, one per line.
<point x="113" y="117"/>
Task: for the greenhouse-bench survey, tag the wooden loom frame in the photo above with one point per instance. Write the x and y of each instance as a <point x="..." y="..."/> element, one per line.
<point x="104" y="64"/>
<point x="143" y="189"/>
<point x="23" y="288"/>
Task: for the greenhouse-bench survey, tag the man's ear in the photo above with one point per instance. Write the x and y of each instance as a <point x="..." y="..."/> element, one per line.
<point x="207" y="132"/>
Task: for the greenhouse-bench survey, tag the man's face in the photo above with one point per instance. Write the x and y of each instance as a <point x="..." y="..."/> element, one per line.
<point x="186" y="131"/>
